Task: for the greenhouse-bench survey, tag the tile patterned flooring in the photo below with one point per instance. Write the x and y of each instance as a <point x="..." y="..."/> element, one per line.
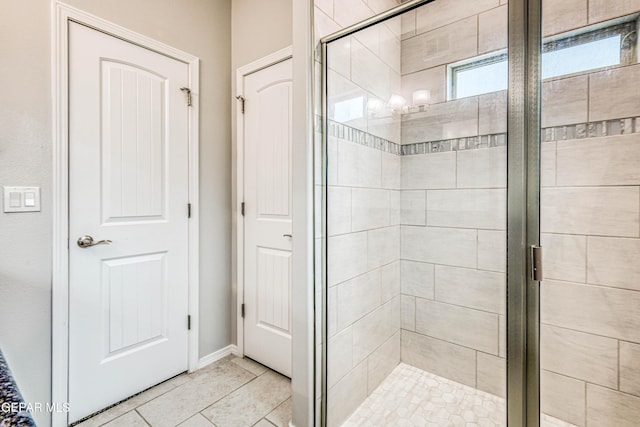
<point x="411" y="397"/>
<point x="231" y="392"/>
<point x="235" y="392"/>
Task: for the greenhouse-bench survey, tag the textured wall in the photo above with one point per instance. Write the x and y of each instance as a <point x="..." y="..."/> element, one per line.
<point x="199" y="27"/>
<point x="25" y="159"/>
<point x="258" y="28"/>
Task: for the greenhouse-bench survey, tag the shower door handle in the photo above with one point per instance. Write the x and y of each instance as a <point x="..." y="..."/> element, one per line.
<point x="536" y="263"/>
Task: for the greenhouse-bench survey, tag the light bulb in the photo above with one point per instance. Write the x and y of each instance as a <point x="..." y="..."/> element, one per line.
<point x="397" y="102"/>
<point x="421" y="97"/>
<point x="374" y="105"/>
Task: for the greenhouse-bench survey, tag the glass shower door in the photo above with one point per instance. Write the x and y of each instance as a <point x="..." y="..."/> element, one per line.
<point x="590" y="214"/>
<point x="415" y="141"/>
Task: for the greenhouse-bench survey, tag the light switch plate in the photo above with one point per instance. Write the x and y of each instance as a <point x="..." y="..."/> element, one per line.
<point x="21" y="199"/>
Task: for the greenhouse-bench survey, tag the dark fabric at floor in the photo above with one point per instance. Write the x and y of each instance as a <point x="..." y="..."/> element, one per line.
<point x="10" y="399"/>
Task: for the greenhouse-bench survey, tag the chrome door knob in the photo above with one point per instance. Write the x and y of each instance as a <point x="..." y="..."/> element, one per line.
<point x="87" y="241"/>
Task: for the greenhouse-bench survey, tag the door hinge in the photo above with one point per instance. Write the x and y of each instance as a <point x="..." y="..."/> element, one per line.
<point x="242" y="310"/>
<point x="241" y="99"/>
<point x="189" y="210"/>
<point x="242" y="208"/>
<point x="188" y="92"/>
<point x="536" y="263"/>
<point x="189" y="322"/>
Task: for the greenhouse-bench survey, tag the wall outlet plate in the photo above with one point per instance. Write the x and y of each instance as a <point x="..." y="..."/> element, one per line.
<point x="21" y="199"/>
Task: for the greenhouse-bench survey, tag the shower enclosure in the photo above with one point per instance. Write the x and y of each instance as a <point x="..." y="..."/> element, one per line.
<point x="457" y="136"/>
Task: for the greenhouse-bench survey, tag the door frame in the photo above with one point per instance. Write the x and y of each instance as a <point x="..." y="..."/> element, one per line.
<point x="242" y="72"/>
<point x="62" y="14"/>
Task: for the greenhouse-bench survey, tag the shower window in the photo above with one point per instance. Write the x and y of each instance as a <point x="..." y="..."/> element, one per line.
<point x="486" y="75"/>
<point x="596" y="47"/>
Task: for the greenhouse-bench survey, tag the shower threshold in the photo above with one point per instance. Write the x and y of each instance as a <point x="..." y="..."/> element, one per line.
<point x="412" y="397"/>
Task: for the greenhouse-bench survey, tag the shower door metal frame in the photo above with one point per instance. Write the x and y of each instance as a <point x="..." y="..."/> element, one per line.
<point x="523" y="212"/>
<point x="523" y="204"/>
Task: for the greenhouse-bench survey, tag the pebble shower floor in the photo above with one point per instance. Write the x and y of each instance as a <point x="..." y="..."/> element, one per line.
<point x="411" y="397"/>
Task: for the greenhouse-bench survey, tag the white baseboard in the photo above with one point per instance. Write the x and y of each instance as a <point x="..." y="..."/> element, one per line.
<point x="236" y="351"/>
<point x="217" y="355"/>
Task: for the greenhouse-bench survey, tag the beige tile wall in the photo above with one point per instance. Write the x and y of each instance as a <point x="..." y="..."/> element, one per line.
<point x="563" y="395"/>
<point x="440" y="357"/>
<point x="453" y="203"/>
<point x="364" y="67"/>
<point x="453" y="222"/>
<point x="364" y="271"/>
<point x="441" y="13"/>
<point x="591" y="242"/>
<point x="443" y="32"/>
<point x="363" y="208"/>
<point x="443" y="45"/>
<point x="434" y="36"/>
<point x="452" y="276"/>
<point x="491" y="33"/>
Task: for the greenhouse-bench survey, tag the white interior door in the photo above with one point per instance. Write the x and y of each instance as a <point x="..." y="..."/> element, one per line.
<point x="128" y="183"/>
<point x="267" y="189"/>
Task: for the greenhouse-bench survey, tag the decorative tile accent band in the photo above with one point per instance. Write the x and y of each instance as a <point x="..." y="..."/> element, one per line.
<point x="592" y="130"/>
<point x="339" y="130"/>
<point x="458" y="144"/>
<point x="557" y="133"/>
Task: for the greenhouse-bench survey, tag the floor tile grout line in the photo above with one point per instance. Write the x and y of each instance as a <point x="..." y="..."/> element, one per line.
<point x="282" y="403"/>
<point x="266" y="369"/>
<point x="269" y="421"/>
<point x="246" y="384"/>
<point x="189" y="377"/>
<point x="230" y="392"/>
<point x="203" y="416"/>
<point x="275" y="408"/>
<point x="104" y="411"/>
<point x="142" y="417"/>
<point x="217" y="400"/>
<point x="238" y="389"/>
<point x="226" y="395"/>
<point x="186" y="374"/>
